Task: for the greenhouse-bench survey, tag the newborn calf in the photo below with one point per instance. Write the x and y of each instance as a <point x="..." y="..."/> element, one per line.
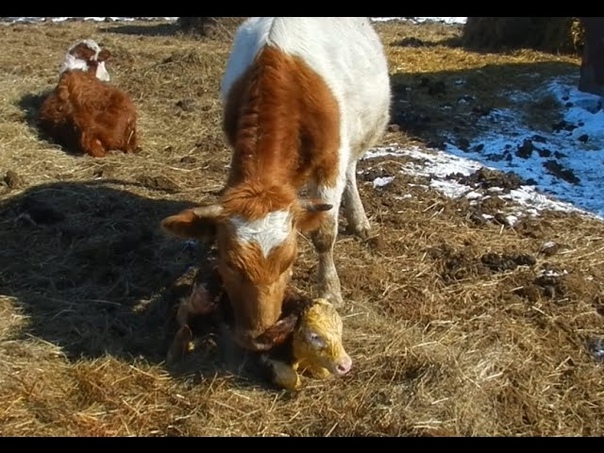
<point x="203" y="301"/>
<point x="308" y="337"/>
<point x="315" y="347"/>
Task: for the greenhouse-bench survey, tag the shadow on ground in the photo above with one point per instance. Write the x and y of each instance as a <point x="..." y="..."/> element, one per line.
<point x="88" y="265"/>
<point x="143" y="30"/>
<point x="30" y="103"/>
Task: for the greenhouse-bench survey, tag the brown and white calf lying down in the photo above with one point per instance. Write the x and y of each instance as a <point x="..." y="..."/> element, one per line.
<point x="307" y="339"/>
<point x="84" y="113"/>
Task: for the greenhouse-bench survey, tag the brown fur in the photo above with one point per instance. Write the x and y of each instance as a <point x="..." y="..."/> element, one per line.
<point x="186" y="224"/>
<point x="282" y="122"/>
<point x="208" y="302"/>
<point x="254" y="199"/>
<point x="249" y="275"/>
<point x="86" y="115"/>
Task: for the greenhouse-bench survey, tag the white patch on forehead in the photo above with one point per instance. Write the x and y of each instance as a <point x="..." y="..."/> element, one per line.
<point x="268" y="232"/>
<point x="72" y="63"/>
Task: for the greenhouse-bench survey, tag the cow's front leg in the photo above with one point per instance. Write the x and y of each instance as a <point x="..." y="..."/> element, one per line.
<point x="324" y="239"/>
<point x="181" y="345"/>
<point x="92" y="145"/>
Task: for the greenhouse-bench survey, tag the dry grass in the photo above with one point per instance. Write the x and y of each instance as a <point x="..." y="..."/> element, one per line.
<point x="210" y="27"/>
<point x="554" y="34"/>
<point x="442" y="344"/>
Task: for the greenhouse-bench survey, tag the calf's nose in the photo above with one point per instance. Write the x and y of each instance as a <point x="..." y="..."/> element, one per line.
<point x="344" y="366"/>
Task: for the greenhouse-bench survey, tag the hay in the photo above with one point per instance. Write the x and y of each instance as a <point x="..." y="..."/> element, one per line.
<point x="442" y="343"/>
<point x="550" y="34"/>
<point x="219" y="28"/>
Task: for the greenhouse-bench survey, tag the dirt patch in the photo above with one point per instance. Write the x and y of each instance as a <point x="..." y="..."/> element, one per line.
<point x="455" y="265"/>
<point x="556" y="169"/>
<point x="558" y="286"/>
<point x="211" y="27"/>
<point x="158" y="183"/>
<point x="485" y="179"/>
<point x="13" y="180"/>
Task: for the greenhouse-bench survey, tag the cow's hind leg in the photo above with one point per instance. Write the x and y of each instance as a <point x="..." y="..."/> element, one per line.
<point x="358" y="224"/>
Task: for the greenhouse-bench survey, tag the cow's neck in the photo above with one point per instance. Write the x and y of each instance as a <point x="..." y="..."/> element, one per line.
<point x="267" y="137"/>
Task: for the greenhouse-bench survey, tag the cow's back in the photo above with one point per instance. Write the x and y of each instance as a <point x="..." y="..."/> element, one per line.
<point x="345" y="52"/>
<point x="250" y="37"/>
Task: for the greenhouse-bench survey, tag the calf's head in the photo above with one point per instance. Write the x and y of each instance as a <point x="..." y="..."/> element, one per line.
<point x="255" y="257"/>
<point x="318" y="338"/>
<point x="87" y="56"/>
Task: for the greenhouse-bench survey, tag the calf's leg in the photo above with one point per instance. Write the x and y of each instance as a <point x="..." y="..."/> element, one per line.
<point x="91" y="145"/>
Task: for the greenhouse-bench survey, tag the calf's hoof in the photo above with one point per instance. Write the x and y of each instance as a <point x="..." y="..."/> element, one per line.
<point x="181" y="345"/>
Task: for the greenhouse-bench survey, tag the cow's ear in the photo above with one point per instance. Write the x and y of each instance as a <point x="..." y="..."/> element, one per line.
<point x="197" y="223"/>
<point x="279" y="332"/>
<point x="309" y="214"/>
<point x="104" y="55"/>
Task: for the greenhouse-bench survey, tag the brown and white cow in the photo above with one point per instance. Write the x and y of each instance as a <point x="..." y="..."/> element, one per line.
<point x="84" y="113"/>
<point x="304" y="98"/>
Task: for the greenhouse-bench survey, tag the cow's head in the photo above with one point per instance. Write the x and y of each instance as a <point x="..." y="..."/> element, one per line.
<point x="87" y="56"/>
<point x="255" y="256"/>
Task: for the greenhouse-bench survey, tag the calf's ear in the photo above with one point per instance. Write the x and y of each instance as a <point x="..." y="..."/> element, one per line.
<point x="309" y="214"/>
<point x="104" y="55"/>
<point x="197" y="223"/>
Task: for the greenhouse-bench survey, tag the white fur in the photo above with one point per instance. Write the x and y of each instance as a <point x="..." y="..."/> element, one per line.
<point x="91" y="44"/>
<point x="101" y="72"/>
<point x="267" y="233"/>
<point x="345" y="51"/>
<point x="71" y="62"/>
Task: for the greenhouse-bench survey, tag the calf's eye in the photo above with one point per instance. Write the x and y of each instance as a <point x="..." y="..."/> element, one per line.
<point x="315" y="340"/>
